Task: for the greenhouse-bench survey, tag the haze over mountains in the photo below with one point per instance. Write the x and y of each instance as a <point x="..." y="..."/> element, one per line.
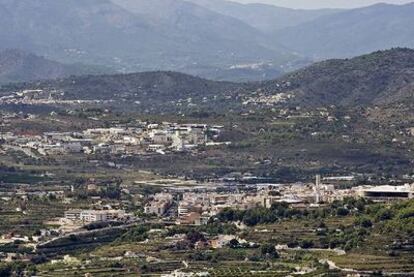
<point x="353" y="32"/>
<point x="379" y="78"/>
<point x="171" y="35"/>
<point x="266" y="18"/>
<point x="215" y="39"/>
<point x="17" y="66"/>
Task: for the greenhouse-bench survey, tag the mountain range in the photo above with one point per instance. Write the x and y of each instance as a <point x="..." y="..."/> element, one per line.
<point x="214" y="39"/>
<point x="378" y="79"/>
<point x="170" y="34"/>
<point x="266" y="18"/>
<point x="354" y="32"/>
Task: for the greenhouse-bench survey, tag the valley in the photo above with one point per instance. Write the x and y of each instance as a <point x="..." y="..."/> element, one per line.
<point x="185" y="138"/>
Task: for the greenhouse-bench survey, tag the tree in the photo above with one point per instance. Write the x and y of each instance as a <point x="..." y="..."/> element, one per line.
<point x="342" y="212"/>
<point x="195" y="236"/>
<point x="269" y="251"/>
<point x="227" y="215"/>
<point x="406" y="213"/>
<point x="5" y="270"/>
<point x="234" y="243"/>
<point x="306" y="244"/>
<point x="384" y="214"/>
<point x="363" y="222"/>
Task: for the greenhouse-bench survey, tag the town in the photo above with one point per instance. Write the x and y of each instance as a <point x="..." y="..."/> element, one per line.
<point x="185" y="203"/>
<point x="144" y="138"/>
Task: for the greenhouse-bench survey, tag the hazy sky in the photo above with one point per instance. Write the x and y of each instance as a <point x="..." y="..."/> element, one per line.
<point x="316" y="4"/>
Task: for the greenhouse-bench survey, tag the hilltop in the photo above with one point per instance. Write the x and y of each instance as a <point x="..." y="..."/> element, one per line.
<point x="383" y="77"/>
<point x="158" y="91"/>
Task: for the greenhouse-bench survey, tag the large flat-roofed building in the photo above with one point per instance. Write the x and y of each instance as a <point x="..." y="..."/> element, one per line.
<point x="157" y="207"/>
<point x="159" y="204"/>
<point x="94" y="215"/>
<point x="387" y="193"/>
<point x="73" y="214"/>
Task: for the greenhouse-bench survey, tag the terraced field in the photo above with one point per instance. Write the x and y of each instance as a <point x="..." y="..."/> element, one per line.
<point x="236" y="272"/>
<point x="366" y="262"/>
<point x="32" y="218"/>
<point x="81" y="272"/>
<point x="101" y="268"/>
<point x="289" y="230"/>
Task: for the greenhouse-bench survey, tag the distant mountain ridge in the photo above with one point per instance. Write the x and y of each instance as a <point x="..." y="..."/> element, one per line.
<point x="352" y="32"/>
<point x="264" y="17"/>
<point x="208" y="38"/>
<point x="20" y="66"/>
<point x="140" y="35"/>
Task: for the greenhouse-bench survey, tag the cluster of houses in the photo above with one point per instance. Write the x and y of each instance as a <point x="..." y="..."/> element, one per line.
<point x="41" y="97"/>
<point x="197" y="207"/>
<point x="143" y="138"/>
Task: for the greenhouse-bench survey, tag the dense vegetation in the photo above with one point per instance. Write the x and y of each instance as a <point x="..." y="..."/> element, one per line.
<point x="396" y="219"/>
<point x="281" y="211"/>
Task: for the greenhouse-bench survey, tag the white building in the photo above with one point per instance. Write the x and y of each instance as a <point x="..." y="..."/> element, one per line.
<point x="94" y="215"/>
<point x="159" y="204"/>
<point x="387" y="193"/>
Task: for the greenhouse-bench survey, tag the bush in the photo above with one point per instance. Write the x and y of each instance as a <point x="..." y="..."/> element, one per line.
<point x="234" y="243"/>
<point x="342" y="212"/>
<point x="5" y="270"/>
<point x="384" y="214"/>
<point x="363" y="222"/>
<point x="406" y="213"/>
<point x="195" y="236"/>
<point x="305" y="244"/>
<point x="138" y="233"/>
